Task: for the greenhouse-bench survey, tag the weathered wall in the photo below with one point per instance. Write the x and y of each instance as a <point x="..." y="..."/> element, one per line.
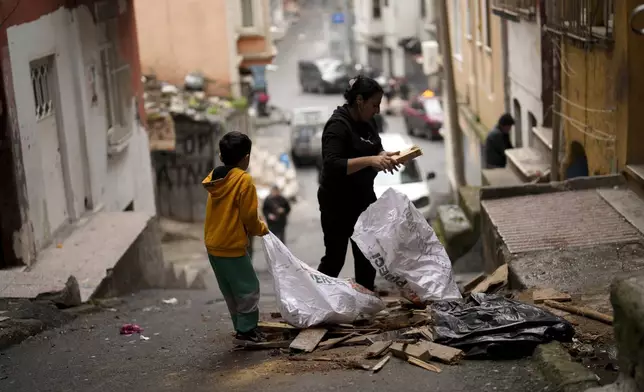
<point x="179" y="173"/>
<point x="524" y="50"/>
<point x="78" y="127"/>
<point x="179" y="37"/>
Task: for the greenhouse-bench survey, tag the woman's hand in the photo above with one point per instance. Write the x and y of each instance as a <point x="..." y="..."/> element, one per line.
<point x="389" y="154"/>
<point x="384" y="162"/>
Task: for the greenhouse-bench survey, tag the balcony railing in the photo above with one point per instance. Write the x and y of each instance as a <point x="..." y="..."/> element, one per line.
<point x="589" y="21"/>
<point x="515" y="9"/>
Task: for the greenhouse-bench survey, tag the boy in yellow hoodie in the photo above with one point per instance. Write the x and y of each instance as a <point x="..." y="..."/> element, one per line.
<point x="232" y="216"/>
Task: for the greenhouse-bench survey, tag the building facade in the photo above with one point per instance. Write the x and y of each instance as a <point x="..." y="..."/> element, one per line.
<point x="72" y="143"/>
<point x="478" y="56"/>
<point x="216" y="39"/>
<point x="388" y="34"/>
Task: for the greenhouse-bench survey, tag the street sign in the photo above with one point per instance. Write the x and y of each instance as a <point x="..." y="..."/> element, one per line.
<point x="337" y="18"/>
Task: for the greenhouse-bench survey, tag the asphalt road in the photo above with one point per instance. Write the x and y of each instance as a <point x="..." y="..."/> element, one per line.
<point x="189" y="346"/>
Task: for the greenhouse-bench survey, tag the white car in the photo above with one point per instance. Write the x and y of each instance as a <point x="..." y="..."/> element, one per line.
<point x="410" y="180"/>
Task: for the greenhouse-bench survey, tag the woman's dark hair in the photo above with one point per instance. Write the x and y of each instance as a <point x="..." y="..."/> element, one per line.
<point x="363" y="86"/>
<point x="233" y="147"/>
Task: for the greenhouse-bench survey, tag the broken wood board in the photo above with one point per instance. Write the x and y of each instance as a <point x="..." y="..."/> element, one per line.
<point x="376" y="368"/>
<point x="245" y="345"/>
<point x="498" y="277"/>
<point x="408" y="154"/>
<point x="378" y="349"/>
<point x="424" y="365"/>
<point x="337" y="341"/>
<point x="361" y="331"/>
<point x="467" y="287"/>
<point x="389" y="335"/>
<point x="419" y="351"/>
<point x="445" y="354"/>
<point x="421" y="333"/>
<point x="360" y="340"/>
<point x="581" y="311"/>
<point x="308" y="339"/>
<point x="398" y="350"/>
<point x="540" y="295"/>
<point x="275" y="326"/>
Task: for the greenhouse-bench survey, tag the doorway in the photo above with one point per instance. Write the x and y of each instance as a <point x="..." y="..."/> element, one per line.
<point x="45" y="91"/>
<point x="532" y="123"/>
<point x="518" y="129"/>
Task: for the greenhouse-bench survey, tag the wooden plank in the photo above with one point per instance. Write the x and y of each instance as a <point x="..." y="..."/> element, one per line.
<point x="378" y="349"/>
<point x="275" y="326"/>
<point x="500" y="276"/>
<point x="338" y="341"/>
<point x="419" y="351"/>
<point x="442" y="353"/>
<point x="308" y="339"/>
<point x="424" y="365"/>
<point x="473" y="283"/>
<point x="245" y="345"/>
<point x="581" y="311"/>
<point x="376" y="368"/>
<point x="407" y="155"/>
<point x="540" y="295"/>
<point x="398" y="350"/>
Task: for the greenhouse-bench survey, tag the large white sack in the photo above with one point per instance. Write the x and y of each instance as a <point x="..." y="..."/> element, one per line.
<point x="307" y="297"/>
<point x="404" y="249"/>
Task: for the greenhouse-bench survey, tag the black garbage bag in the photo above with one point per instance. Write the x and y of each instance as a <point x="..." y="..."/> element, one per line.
<point x="492" y="326"/>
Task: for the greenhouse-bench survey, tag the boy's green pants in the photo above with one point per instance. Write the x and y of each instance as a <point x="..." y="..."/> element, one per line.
<point x="240" y="287"/>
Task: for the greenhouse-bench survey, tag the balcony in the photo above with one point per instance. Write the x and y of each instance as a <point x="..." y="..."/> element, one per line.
<point x="585" y="21"/>
<point x="515" y="9"/>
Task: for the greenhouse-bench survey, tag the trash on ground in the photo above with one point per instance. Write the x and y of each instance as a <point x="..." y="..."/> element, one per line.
<point x="307" y="297"/>
<point x="405" y="250"/>
<point x="308" y="339"/>
<point x="541" y="295"/>
<point x="151" y="309"/>
<point x="130" y="329"/>
<point x="170" y="301"/>
<point x="581" y="311"/>
<point x="494" y="326"/>
<point x="381" y="364"/>
<point x="424" y="365"/>
<point x="144" y="337"/>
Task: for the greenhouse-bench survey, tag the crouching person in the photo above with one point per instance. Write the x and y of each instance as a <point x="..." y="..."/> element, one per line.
<point x="231" y="217"/>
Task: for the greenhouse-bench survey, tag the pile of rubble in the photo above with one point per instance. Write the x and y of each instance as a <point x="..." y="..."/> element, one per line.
<point x="399" y="331"/>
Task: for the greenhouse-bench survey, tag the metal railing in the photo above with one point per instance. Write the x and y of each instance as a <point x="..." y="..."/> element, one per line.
<point x="583" y="20"/>
<point x="517" y="8"/>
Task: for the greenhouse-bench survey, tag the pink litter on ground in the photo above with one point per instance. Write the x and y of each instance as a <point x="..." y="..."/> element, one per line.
<point x="129" y="329"/>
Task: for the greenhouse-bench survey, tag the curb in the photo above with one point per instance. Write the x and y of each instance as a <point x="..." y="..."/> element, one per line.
<point x="559" y="369"/>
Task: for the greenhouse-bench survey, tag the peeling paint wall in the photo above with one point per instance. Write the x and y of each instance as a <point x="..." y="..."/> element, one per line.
<point x="91" y="179"/>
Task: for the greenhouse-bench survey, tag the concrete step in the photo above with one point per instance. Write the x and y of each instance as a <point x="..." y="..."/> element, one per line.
<point x="500" y="177"/>
<point x="90" y="254"/>
<point x="454" y="230"/>
<point x="627" y="203"/>
<point x="542" y="140"/>
<point x="528" y="163"/>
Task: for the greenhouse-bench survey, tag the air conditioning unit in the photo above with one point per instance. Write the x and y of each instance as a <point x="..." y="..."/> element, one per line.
<point x="430" y="57"/>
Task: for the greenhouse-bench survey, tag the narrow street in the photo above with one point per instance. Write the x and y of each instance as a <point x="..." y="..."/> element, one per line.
<point x="189" y="344"/>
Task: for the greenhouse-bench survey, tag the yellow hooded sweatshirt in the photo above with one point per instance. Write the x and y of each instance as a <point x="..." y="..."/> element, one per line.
<point x="231" y="212"/>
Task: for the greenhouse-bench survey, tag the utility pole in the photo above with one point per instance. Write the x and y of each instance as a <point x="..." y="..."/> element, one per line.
<point x="456" y="139"/>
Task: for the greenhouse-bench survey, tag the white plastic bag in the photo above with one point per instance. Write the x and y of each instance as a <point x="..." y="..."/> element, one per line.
<point x="404" y="249"/>
<point x="307" y="297"/>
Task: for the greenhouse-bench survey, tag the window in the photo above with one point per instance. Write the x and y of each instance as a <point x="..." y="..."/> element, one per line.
<point x="456" y="28"/>
<point x="41" y="82"/>
<point x="423" y="9"/>
<point x="377" y="9"/>
<point x="486" y="33"/>
<point x="247" y="13"/>
<point x="116" y="78"/>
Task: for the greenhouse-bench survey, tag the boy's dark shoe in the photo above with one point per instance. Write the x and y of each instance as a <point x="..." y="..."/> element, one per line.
<point x="253" y="336"/>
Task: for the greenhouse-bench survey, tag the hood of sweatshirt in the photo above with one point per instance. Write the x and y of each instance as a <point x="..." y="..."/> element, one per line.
<point x="223" y="181"/>
<point x="342" y="114"/>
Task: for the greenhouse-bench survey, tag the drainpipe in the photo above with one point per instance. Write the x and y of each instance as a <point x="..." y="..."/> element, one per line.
<point x="506" y="65"/>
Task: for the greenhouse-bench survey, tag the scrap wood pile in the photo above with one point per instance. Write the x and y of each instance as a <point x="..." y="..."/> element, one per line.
<point x="401" y="331"/>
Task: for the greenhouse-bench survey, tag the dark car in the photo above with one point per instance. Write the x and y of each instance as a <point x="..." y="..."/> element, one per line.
<point x="423" y="116"/>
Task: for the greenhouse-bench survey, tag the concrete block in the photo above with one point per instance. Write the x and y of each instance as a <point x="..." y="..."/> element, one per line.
<point x="559" y="369"/>
<point x="457" y="232"/>
<point x="627" y="297"/>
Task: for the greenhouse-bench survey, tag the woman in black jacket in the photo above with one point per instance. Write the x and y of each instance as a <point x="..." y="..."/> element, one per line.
<point x="352" y="156"/>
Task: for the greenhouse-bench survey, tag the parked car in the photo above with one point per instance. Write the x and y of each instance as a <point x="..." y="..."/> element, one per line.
<point x="423" y="116"/>
<point x="410" y="179"/>
<point x="330" y="75"/>
<point x="307" y="125"/>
